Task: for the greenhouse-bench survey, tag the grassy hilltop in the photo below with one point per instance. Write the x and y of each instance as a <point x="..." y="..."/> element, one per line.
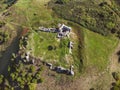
<point x="95" y="32"/>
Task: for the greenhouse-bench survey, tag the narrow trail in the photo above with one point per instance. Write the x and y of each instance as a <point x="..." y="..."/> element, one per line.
<point x="115" y="65"/>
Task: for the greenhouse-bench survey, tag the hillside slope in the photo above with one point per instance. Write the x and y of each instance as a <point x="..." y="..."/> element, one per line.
<point x="101" y="16"/>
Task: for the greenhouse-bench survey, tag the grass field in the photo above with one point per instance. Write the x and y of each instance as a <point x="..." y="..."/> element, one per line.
<point x="34" y="13"/>
<point x="98" y="49"/>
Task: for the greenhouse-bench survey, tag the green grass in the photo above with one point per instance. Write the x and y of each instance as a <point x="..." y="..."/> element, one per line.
<point x="98" y="49"/>
<point x="40" y="41"/>
<point x="33" y="14"/>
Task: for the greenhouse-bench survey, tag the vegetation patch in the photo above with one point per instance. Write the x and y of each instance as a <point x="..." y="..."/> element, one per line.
<point x="116" y="84"/>
<point x="4" y="4"/>
<point x="1" y="38"/>
<point x="96" y="16"/>
<point x="20" y="75"/>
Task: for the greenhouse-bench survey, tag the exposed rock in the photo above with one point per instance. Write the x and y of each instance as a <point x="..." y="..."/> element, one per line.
<point x="50" y="65"/>
<point x="33" y="61"/>
<point x="62" y="30"/>
<point x="70" y="45"/>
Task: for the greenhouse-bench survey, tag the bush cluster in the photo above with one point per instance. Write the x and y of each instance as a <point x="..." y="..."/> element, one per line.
<point x="99" y="18"/>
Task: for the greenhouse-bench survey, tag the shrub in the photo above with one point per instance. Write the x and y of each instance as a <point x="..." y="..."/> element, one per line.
<point x="12" y="75"/>
<point x="34" y="80"/>
<point x="2" y="24"/>
<point x="32" y="69"/>
<point x="110" y="25"/>
<point x="32" y="86"/>
<point x="116" y="75"/>
<point x="50" y="47"/>
<point x="1" y="39"/>
<point x="40" y="80"/>
<point x="37" y="76"/>
<point x="1" y="78"/>
<point x="61" y="1"/>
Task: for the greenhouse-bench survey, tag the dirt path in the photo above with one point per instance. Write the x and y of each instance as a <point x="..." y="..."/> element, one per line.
<point x="114" y="65"/>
